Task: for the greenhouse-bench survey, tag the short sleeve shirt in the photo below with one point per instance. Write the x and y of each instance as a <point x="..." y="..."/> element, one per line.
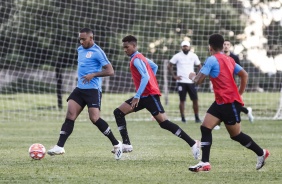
<point x="185" y="65"/>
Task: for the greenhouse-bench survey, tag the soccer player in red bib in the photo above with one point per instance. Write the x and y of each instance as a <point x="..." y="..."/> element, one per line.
<point x="147" y="96"/>
<point x="228" y="102"/>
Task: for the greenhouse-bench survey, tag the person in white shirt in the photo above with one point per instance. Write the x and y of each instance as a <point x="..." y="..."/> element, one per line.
<point x="185" y="62"/>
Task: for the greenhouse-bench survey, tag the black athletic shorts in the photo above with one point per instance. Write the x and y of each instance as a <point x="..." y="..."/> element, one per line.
<point x="89" y="97"/>
<point x="152" y="103"/>
<point x="183" y="88"/>
<point x="228" y="113"/>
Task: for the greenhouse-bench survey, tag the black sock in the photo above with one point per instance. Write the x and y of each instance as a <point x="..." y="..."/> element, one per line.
<point x="176" y="130"/>
<point x="206" y="143"/>
<point x="106" y="130"/>
<point x="248" y="142"/>
<point x="244" y="110"/>
<point x="197" y="116"/>
<point x="121" y="123"/>
<point x="66" y="130"/>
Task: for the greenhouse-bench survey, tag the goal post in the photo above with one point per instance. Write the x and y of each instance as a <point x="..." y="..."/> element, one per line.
<point x="278" y="114"/>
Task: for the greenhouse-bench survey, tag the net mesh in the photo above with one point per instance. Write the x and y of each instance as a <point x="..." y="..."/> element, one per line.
<point x="39" y="40"/>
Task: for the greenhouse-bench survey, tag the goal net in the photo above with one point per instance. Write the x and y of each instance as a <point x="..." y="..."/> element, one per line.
<point x="39" y="40"/>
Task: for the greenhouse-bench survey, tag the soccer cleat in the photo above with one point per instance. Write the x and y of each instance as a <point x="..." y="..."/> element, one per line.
<point x="56" y="150"/>
<point x="118" y="150"/>
<point x="261" y="159"/>
<point x="201" y="166"/>
<point x="183" y="119"/>
<point x="196" y="149"/>
<point x="198" y="121"/>
<point x="126" y="148"/>
<point x="217" y="127"/>
<point x="250" y="115"/>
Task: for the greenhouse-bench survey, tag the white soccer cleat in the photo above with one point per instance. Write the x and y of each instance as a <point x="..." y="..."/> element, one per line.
<point x="201" y="166"/>
<point x="250" y="115"/>
<point x="217" y="127"/>
<point x="56" y="150"/>
<point x="196" y="149"/>
<point x="261" y="159"/>
<point x="126" y="148"/>
<point x="118" y="150"/>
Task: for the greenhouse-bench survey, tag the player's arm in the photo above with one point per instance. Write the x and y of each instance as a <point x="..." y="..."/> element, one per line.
<point x="153" y="65"/>
<point x="238" y="70"/>
<point x="141" y="67"/>
<point x="106" y="71"/>
<point x="204" y="72"/>
<point x="197" y="79"/>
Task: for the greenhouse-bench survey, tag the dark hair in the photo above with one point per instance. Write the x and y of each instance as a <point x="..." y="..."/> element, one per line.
<point x="129" y="38"/>
<point x="86" y="30"/>
<point x="226" y="40"/>
<point x="216" y="41"/>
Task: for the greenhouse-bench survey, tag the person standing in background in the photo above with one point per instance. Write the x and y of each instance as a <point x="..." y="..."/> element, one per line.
<point x="185" y="62"/>
<point x="226" y="50"/>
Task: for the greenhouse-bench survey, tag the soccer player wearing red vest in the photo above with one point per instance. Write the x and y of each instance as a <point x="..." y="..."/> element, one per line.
<point x="228" y="102"/>
<point x="147" y="97"/>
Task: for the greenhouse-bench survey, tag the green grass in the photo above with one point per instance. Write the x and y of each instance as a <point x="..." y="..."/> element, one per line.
<point x="158" y="156"/>
<point x="27" y="107"/>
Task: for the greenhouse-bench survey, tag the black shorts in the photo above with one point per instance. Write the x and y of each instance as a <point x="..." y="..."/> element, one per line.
<point x="89" y="97"/>
<point x="152" y="103"/>
<point x="183" y="88"/>
<point x="228" y="113"/>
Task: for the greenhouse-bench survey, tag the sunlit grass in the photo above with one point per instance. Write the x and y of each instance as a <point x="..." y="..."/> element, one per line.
<point x="158" y="156"/>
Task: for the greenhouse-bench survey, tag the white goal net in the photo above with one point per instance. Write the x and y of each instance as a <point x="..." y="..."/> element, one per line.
<point x="39" y="40"/>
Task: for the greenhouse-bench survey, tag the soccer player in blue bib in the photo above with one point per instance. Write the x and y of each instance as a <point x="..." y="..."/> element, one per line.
<point x="92" y="65"/>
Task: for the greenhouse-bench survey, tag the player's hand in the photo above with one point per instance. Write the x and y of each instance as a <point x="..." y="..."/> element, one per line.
<point x="134" y="102"/>
<point x="192" y="75"/>
<point x="177" y="77"/>
<point x="87" y="78"/>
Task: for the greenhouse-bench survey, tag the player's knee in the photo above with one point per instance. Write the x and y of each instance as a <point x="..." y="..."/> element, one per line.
<point x="93" y="119"/>
<point x="205" y="130"/>
<point x="118" y="113"/>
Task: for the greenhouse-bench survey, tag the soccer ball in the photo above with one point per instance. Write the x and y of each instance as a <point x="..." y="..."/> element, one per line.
<point x="37" y="151"/>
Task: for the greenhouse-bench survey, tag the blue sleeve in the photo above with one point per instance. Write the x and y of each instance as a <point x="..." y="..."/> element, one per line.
<point x="210" y="67"/>
<point x="237" y="68"/>
<point x="141" y="67"/>
<point x="153" y="65"/>
<point x="102" y="58"/>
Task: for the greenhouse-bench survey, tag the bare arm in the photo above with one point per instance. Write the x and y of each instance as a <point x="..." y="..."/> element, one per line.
<point x="197" y="79"/>
<point x="243" y="80"/>
<point x="170" y="69"/>
<point x="199" y="68"/>
<point x="106" y="71"/>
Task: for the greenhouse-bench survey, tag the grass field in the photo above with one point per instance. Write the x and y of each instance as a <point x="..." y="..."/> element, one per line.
<point x="23" y="107"/>
<point x="158" y="156"/>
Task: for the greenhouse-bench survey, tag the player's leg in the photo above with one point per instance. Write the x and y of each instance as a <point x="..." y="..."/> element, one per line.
<point x="75" y="106"/>
<point x="212" y="118"/>
<point x="182" y="99"/>
<point x="192" y="91"/>
<point x="119" y="114"/>
<point x="233" y="126"/>
<point x="249" y="112"/>
<point x="94" y="102"/>
<point x="246" y="141"/>
<point x="154" y="106"/>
